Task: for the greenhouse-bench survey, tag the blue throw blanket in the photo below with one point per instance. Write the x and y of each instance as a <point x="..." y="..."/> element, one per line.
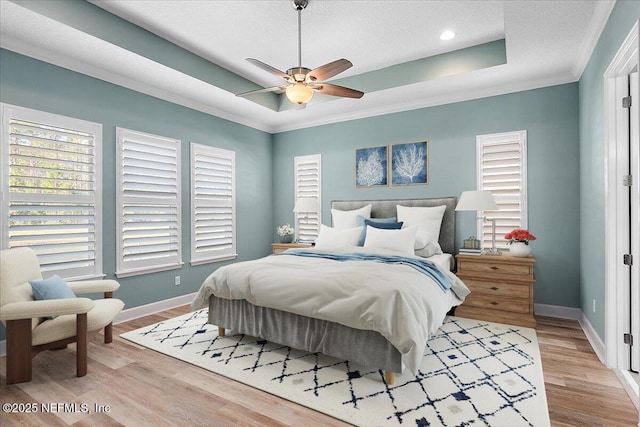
<point x="423" y="266"/>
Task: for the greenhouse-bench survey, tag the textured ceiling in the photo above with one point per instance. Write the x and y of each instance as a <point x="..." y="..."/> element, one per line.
<point x="547" y="43"/>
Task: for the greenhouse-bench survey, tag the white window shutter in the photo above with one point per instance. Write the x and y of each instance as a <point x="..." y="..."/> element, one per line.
<point x="502" y="169"/>
<point x="53" y="202"/>
<point x="213" y="204"/>
<point x="308" y="183"/>
<point x="148" y="212"/>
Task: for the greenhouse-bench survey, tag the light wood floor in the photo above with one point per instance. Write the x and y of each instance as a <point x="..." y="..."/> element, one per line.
<point x="145" y="388"/>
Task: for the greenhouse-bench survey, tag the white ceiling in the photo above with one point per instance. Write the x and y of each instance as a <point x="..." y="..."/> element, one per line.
<point x="547" y="42"/>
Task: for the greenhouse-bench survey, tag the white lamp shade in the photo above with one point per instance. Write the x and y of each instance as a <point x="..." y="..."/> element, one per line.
<point x="476" y="201"/>
<point x="306" y="204"/>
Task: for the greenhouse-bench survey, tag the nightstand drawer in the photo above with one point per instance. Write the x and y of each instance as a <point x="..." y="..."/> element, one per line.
<point x="498" y="289"/>
<point x="515" y="305"/>
<point x="494" y="268"/>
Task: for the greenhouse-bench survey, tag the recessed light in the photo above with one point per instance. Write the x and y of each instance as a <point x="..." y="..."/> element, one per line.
<point x="447" y="35"/>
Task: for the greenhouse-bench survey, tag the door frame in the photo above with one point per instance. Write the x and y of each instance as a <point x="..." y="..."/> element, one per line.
<point x="616" y="352"/>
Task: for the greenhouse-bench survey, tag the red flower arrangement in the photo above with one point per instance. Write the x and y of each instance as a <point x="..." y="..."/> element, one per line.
<point x="519" y="235"/>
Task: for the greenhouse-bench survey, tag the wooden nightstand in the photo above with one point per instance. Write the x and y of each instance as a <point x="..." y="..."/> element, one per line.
<point x="501" y="288"/>
<point x="281" y="247"/>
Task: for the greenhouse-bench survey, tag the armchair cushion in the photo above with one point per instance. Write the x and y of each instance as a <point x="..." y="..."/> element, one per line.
<point x="103" y="313"/>
<point x="94" y="286"/>
<point x="37" y="309"/>
<point x="52" y="288"/>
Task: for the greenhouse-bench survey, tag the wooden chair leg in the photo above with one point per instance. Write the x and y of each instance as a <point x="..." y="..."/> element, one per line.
<point x="18" y="351"/>
<point x="108" y="330"/>
<point x="108" y="333"/>
<point x="81" y="344"/>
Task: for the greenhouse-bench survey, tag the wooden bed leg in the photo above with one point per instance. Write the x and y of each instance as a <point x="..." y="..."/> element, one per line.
<point x="220" y="331"/>
<point x="389" y="377"/>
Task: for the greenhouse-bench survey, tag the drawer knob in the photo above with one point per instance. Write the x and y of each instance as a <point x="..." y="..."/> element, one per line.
<point x="493" y="267"/>
<point x="494" y="303"/>
<point x="493" y="288"/>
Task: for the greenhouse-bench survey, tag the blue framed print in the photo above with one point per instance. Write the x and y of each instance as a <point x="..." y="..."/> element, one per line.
<point x="409" y="163"/>
<point x="371" y="166"/>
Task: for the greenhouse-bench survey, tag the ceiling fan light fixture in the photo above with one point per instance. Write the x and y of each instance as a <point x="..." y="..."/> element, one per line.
<point x="299" y="93"/>
<point x="302" y="81"/>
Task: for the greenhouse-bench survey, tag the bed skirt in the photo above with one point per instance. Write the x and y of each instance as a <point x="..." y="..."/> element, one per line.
<point x="367" y="348"/>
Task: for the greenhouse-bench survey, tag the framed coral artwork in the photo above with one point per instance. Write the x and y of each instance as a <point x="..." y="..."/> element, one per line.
<point x="371" y="166"/>
<point x="409" y="163"/>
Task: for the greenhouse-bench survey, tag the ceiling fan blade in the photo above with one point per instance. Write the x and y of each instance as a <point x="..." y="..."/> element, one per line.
<point x="266" y="89"/>
<point x="329" y="70"/>
<point x="335" y="90"/>
<point x="268" y="68"/>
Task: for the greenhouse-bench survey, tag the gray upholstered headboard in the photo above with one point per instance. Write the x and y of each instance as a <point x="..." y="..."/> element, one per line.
<point x="387" y="208"/>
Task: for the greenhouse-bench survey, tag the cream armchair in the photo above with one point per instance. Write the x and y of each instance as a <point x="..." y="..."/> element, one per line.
<point x="30" y="329"/>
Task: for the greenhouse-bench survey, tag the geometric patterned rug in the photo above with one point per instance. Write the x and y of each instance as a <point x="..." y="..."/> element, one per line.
<point x="473" y="373"/>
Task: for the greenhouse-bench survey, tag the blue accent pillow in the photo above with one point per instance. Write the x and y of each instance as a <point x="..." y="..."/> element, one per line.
<point x="52" y="288"/>
<point x="385" y="223"/>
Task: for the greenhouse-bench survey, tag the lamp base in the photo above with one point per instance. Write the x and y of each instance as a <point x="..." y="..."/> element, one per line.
<point x="494" y="251"/>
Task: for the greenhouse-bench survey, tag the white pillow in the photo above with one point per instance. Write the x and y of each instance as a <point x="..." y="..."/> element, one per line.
<point x="428" y="220"/>
<point x="331" y="238"/>
<point x="431" y="248"/>
<point x="401" y="240"/>
<point x="347" y="219"/>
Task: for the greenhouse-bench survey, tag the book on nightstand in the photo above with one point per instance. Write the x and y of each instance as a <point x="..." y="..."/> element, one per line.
<point x="466" y="251"/>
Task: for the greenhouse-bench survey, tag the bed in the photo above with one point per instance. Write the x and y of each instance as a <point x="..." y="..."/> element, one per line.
<point x="305" y="304"/>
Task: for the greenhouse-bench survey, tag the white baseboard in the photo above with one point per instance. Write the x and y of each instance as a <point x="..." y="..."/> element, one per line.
<point x="153" y="308"/>
<point x="596" y="343"/>
<point x="630" y="385"/>
<point x="137" y="312"/>
<point x="558" y="311"/>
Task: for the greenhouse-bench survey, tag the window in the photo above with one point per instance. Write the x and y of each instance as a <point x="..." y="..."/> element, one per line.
<point x="308" y="183"/>
<point x="50" y="184"/>
<point x="148" y="224"/>
<point x="213" y="204"/>
<point x="502" y="169"/>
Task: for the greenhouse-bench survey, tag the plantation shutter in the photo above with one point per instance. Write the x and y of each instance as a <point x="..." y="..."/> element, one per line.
<point x="148" y="220"/>
<point x="502" y="170"/>
<point x="308" y="183"/>
<point x="53" y="183"/>
<point x="213" y="204"/>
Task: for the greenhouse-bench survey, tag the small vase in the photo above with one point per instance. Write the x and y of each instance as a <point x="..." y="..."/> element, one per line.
<point x="519" y="249"/>
<point x="286" y="239"/>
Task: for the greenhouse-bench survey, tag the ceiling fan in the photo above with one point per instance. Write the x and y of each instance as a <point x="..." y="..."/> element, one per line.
<point x="302" y="82"/>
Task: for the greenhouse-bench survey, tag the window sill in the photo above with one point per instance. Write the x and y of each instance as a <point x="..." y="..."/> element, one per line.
<point x="193" y="263"/>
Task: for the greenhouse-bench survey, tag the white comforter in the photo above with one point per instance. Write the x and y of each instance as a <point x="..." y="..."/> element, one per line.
<point x="402" y="304"/>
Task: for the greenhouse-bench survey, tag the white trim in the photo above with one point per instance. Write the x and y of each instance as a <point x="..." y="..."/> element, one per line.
<point x="630" y="386"/>
<point x="153" y="308"/>
<point x="596" y="26"/>
<point x="558" y="311"/>
<point x="593" y="338"/>
<point x="625" y="60"/>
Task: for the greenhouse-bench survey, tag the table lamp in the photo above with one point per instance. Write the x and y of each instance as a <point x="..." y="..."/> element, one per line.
<point x="480" y="201"/>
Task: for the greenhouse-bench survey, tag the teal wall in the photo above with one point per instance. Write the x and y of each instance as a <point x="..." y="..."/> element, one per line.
<point x="550" y="117"/>
<point x="33" y="84"/>
<point x="592" y="161"/>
